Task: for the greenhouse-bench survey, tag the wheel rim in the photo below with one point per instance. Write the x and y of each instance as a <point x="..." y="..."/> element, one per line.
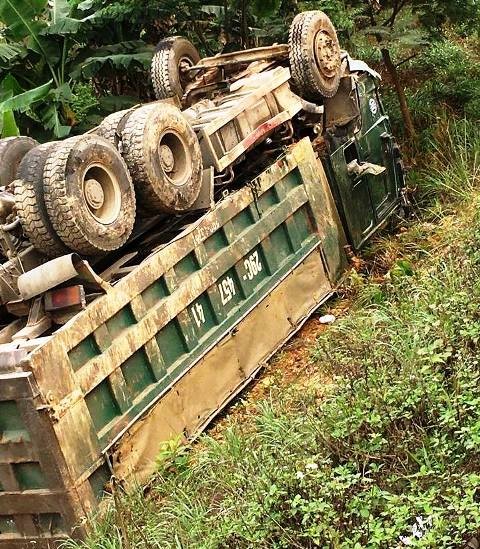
<point x="102" y="194"/>
<point x="175" y="158"/>
<point x="327" y="54"/>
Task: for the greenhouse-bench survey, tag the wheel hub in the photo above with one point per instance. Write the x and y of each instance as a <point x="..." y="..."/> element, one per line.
<point x="327" y="54"/>
<point x="166" y="158"/>
<point x="184" y="66"/>
<point x="94" y="194"/>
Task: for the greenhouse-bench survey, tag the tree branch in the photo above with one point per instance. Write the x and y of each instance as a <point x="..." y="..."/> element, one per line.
<point x="397" y="8"/>
<point x="406" y="60"/>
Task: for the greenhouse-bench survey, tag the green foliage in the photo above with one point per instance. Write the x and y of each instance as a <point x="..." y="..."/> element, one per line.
<point x="455" y="81"/>
<point x="41" y="53"/>
<point x="385" y="454"/>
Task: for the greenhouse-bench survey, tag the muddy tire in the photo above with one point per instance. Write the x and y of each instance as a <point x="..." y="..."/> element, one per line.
<point x="12" y="150"/>
<point x="315" y="56"/>
<point x="172" y="57"/>
<point x="111" y="127"/>
<point x="164" y="158"/>
<point x="30" y="204"/>
<point x="89" y="195"/>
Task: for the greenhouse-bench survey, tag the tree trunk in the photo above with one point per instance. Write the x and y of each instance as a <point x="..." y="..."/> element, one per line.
<point x="402" y="98"/>
<point x="244" y="25"/>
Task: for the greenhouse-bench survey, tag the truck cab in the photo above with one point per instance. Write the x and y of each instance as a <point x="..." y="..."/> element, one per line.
<point x="361" y="157"/>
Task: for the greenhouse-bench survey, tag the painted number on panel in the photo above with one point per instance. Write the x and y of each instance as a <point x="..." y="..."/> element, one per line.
<point x="198" y="314"/>
<point x="227" y="290"/>
<point x="253" y="266"/>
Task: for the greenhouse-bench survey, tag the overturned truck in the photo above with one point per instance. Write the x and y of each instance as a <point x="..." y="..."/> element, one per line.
<point x="143" y="260"/>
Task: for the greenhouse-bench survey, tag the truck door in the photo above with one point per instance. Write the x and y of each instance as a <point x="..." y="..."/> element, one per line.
<point x="376" y="146"/>
<point x="364" y="165"/>
<point x="352" y="194"/>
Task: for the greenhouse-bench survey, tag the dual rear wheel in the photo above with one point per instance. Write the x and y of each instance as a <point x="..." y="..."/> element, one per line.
<point x="76" y="195"/>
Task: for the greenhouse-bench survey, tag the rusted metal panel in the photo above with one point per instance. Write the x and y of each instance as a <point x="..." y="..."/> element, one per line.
<point x="196" y="397"/>
<point x="36" y="501"/>
<point x="277" y="52"/>
<point x="231" y="124"/>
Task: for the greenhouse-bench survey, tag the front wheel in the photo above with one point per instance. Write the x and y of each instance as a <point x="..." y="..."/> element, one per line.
<point x="173" y="58"/>
<point x="315" y="56"/>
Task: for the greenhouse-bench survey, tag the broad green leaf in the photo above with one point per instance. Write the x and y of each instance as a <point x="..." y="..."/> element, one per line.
<point x="218" y="11"/>
<point x="51" y="120"/>
<point x="9" y="125"/>
<point x="61" y="21"/>
<point x="59" y="10"/>
<point x="123" y="55"/>
<point x="21" y="17"/>
<point x="24" y="101"/>
<point x="85" y="5"/>
<point x="10" y="51"/>
<point x="63" y="93"/>
<point x="9" y="87"/>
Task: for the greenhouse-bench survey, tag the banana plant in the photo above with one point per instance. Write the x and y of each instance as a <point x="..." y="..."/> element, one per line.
<point x="44" y="51"/>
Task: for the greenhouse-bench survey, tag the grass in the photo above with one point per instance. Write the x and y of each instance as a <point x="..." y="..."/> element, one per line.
<point x="384" y="454"/>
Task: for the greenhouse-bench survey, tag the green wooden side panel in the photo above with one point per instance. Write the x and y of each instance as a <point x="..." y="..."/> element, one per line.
<point x="277" y="247"/>
<point x="203" y="316"/>
<point x="50" y="523"/>
<point x="137" y="373"/>
<point x="242" y="221"/>
<point x="267" y="200"/>
<point x="83" y="352"/>
<point x="155" y="293"/>
<point x="29" y="476"/>
<point x="215" y="243"/>
<point x="12" y="427"/>
<point x="98" y="479"/>
<point x="102" y="405"/>
<point x="120" y="322"/>
<point x="133" y="344"/>
<point x="282" y="244"/>
<point x="171" y="342"/>
<point x="187" y="266"/>
<point x="303" y="223"/>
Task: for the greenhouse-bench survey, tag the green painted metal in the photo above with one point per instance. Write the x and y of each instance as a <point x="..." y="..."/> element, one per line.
<point x="275" y="230"/>
<point x="12" y="426"/>
<point x="29" y="476"/>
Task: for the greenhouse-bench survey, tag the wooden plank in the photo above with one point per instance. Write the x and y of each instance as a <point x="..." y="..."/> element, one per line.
<point x="32" y="502"/>
<point x="17" y="452"/>
<point x="17" y="385"/>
